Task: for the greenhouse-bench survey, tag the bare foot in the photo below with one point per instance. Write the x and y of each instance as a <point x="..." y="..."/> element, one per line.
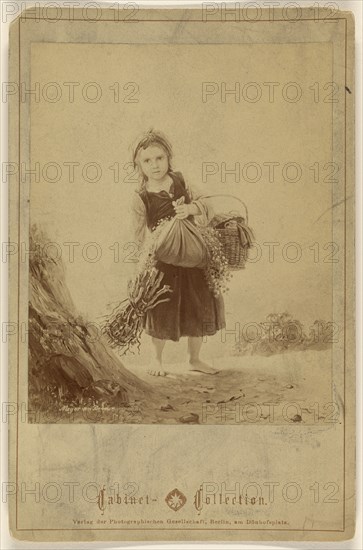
<point x="200" y="366"/>
<point x="156" y="368"/>
<point x="157" y="372"/>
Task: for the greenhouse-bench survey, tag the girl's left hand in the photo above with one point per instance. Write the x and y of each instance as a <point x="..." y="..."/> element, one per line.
<point x="181" y="211"/>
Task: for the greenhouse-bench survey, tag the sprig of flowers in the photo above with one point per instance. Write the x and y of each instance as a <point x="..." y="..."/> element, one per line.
<point x="147" y="258"/>
<point x="217" y="272"/>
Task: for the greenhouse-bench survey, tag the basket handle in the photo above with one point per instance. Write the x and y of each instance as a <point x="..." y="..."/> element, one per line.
<point x="225" y="195"/>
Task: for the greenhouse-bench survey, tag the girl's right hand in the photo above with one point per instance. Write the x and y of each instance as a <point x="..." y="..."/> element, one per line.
<point x="182" y="211"/>
<point x="180" y="208"/>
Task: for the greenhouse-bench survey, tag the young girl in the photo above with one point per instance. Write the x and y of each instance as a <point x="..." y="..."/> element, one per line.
<point x="192" y="310"/>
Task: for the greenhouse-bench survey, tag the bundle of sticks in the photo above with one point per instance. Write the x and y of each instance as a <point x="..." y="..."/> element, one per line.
<point x="124" y="326"/>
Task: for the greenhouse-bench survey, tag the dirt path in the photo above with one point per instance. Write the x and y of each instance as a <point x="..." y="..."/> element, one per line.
<point x="281" y="389"/>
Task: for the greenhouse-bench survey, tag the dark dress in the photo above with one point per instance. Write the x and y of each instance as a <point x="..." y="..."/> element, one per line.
<point x="193" y="310"/>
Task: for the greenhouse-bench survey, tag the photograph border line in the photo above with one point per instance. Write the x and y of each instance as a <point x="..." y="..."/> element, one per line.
<point x="18" y="309"/>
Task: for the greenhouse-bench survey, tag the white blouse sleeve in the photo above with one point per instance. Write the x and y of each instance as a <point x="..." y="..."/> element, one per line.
<point x="205" y="206"/>
<point x="138" y="212"/>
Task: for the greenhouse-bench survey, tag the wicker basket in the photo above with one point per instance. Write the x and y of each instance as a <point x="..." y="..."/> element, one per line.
<point x="235" y="253"/>
<point x="229" y="236"/>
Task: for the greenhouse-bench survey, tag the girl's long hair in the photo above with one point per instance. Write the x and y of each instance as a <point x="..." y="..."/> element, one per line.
<point x="151" y="138"/>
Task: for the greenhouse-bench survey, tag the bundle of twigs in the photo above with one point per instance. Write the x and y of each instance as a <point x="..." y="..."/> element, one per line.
<point x="124" y="326"/>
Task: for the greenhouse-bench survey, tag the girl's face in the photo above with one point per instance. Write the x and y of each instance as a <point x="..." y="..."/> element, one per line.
<point x="154" y="162"/>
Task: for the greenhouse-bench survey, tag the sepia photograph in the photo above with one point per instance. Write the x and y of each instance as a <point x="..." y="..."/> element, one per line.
<point x="182" y="278"/>
<point x="184" y="259"/>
